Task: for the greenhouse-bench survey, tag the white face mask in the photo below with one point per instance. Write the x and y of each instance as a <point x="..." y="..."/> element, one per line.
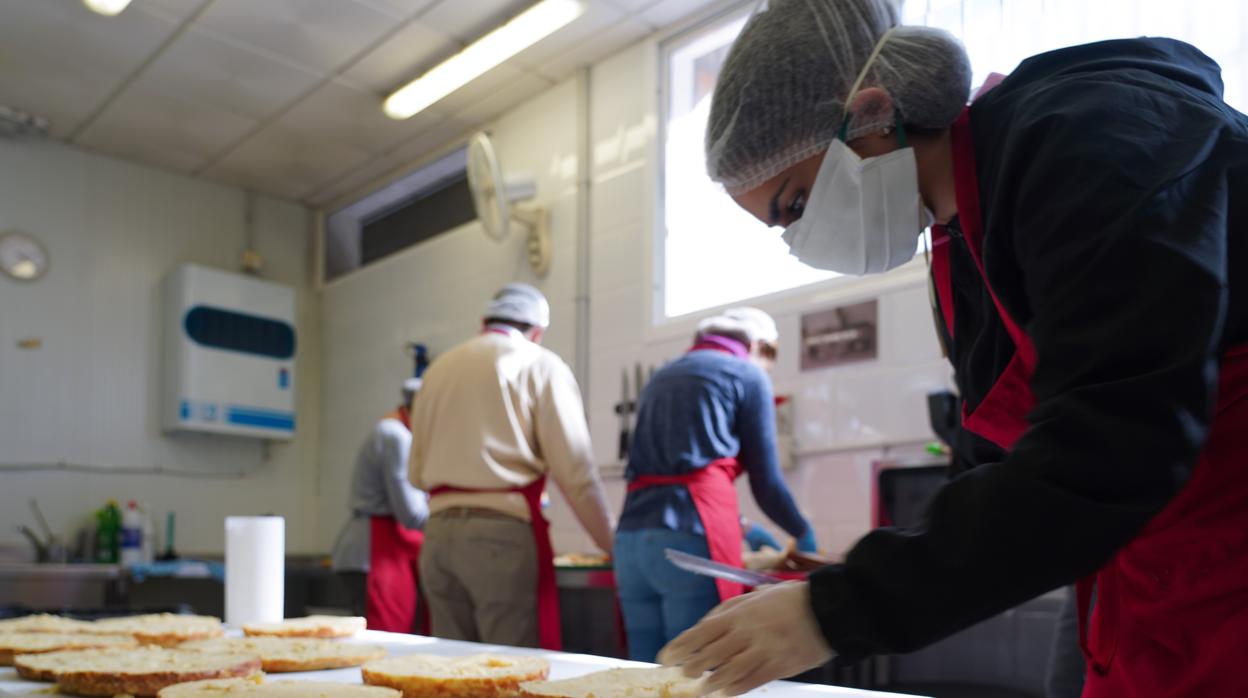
<point x="862" y="216"/>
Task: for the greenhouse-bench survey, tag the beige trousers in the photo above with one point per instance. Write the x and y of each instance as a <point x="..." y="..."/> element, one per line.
<point x="479" y="571"/>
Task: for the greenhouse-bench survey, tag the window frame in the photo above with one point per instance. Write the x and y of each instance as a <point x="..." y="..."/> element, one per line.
<point x="841" y="289"/>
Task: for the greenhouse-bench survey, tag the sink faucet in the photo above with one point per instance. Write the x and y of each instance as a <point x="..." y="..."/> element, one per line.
<point x="48" y="550"/>
<point x="42" y="551"/>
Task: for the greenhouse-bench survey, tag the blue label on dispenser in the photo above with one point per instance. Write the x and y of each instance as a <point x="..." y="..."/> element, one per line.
<point x="184" y="410"/>
<point x="283" y="378"/>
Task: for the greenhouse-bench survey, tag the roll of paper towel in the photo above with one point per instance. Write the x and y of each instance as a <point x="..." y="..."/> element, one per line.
<point x="255" y="569"/>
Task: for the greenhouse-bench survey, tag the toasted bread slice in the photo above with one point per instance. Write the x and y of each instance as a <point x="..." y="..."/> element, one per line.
<point x="43" y="623"/>
<point x="43" y="667"/>
<point x="656" y="682"/>
<point x="164" y="629"/>
<point x="280" y="654"/>
<point x="12" y="644"/>
<point x="144" y="671"/>
<point x="254" y="687"/>
<point x="309" y="626"/>
<point x="476" y="676"/>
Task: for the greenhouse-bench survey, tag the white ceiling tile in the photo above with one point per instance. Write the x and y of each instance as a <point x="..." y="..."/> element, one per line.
<point x="200" y="67"/>
<point x="79" y="36"/>
<point x="400" y="9"/>
<point x="668" y="12"/>
<point x="142" y="120"/>
<point x="634" y="6"/>
<point x="173" y="9"/>
<point x="412" y="50"/>
<point x="469" y="20"/>
<point x="321" y="34"/>
<point x="63" y="94"/>
<point x="285" y="163"/>
<point x="354" y="117"/>
<point x="598" y="16"/>
<point x="514" y="92"/>
<point x="599" y="46"/>
<point x="447" y="133"/>
<point x="150" y="152"/>
<point x="396" y="163"/>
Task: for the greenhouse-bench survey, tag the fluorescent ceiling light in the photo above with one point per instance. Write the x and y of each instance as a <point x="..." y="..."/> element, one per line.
<point x="519" y="33"/>
<point x="106" y="7"/>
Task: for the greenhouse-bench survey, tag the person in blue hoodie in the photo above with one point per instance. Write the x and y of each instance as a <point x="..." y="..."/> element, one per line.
<point x="1089" y="270"/>
<point x="703" y="420"/>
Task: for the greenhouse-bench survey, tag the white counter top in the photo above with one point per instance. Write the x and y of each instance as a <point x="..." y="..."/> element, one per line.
<point x="561" y="666"/>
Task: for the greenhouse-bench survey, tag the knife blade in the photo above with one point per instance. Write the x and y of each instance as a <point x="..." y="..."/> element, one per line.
<point x="718" y="570"/>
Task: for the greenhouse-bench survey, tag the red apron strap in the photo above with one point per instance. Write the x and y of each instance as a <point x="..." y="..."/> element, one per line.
<point x="550" y="634"/>
<point x="966" y="187"/>
<point x="942" y="277"/>
<point x="548" y="619"/>
<point x="1001" y="416"/>
<point x="715" y="498"/>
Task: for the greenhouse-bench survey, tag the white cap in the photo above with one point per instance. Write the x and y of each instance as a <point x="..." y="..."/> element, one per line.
<point x="520" y="303"/>
<point x="751" y="323"/>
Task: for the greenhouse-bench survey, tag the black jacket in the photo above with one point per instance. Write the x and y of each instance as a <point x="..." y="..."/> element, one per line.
<point x="1113" y="186"/>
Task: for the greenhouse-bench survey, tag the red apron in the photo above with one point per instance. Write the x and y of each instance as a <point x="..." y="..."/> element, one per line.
<point x="550" y="635"/>
<point x="715" y="498"/>
<point x="392" y="588"/>
<point x="1171" y="616"/>
<point x="393" y="577"/>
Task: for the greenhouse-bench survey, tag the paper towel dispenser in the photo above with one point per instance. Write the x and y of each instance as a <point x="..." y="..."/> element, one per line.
<point x="230" y="347"/>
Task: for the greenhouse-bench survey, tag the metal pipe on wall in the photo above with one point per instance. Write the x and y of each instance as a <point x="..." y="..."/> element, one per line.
<point x="584" y="176"/>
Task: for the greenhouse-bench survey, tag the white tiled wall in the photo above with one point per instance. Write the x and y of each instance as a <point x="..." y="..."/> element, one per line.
<point x="91" y="395"/>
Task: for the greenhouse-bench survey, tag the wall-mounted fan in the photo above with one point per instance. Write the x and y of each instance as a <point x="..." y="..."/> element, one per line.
<point x="495" y="197"/>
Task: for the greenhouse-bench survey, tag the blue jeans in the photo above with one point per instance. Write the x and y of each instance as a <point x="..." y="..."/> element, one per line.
<point x="659" y="600"/>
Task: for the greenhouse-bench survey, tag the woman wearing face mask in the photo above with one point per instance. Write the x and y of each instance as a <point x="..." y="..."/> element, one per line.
<point x="1089" y="268"/>
<point x="703" y="420"/>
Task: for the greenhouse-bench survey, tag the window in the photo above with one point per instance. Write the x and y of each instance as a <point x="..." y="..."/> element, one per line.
<point x="1000" y="33"/>
<point x="408" y="211"/>
<point x="714" y="253"/>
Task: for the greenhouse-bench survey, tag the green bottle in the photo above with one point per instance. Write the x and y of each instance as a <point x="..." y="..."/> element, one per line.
<point x="108" y="533"/>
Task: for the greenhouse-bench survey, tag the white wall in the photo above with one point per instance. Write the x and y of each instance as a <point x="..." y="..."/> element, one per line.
<point x="435" y="292"/>
<point x="91" y="395"/>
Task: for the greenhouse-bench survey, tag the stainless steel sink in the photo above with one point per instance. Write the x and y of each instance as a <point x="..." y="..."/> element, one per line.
<point x="59" y="586"/>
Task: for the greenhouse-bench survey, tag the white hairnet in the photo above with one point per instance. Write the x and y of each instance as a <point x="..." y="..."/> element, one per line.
<point x="520" y="303"/>
<point x="751" y="324"/>
<point x="780" y="97"/>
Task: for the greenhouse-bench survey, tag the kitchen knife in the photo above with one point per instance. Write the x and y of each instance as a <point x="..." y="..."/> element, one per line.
<point x="718" y="570"/>
<point x="623" y="408"/>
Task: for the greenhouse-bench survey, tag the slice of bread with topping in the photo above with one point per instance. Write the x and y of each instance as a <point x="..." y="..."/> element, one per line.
<point x="43" y="623"/>
<point x="144" y="671"/>
<point x="656" y="682"/>
<point x="43" y="667"/>
<point x="280" y="654"/>
<point x="164" y="629"/>
<point x="12" y="644"/>
<point x="254" y="687"/>
<point x="309" y="626"/>
<point x="476" y="676"/>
